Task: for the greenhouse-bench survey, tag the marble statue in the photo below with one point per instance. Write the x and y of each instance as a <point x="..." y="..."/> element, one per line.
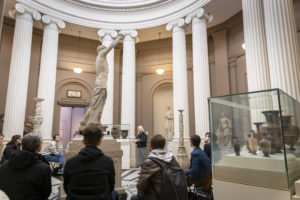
<point x="224" y="133"/>
<point x="93" y="114"/>
<point x="169" y="123"/>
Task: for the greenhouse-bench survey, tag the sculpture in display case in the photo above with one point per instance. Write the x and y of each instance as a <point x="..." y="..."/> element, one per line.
<point x="265" y="145"/>
<point x="93" y="114"/>
<point x="169" y="128"/>
<point x="224" y="133"/>
<point x="291" y="133"/>
<point x="236" y="146"/>
<point x="253" y="144"/>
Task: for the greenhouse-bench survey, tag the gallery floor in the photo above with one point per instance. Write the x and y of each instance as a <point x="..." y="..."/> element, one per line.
<point x="129" y="181"/>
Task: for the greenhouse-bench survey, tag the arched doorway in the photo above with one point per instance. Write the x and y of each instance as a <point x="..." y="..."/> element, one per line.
<point x="162" y="98"/>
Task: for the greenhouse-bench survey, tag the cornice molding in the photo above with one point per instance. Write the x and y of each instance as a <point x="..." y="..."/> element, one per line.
<point x="146" y="13"/>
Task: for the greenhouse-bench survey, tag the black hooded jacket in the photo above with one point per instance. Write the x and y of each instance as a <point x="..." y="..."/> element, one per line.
<point x="10" y="147"/>
<point x="26" y="175"/>
<point x="89" y="175"/>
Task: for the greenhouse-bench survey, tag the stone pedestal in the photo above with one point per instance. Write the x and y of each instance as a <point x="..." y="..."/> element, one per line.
<point x="110" y="147"/>
<point x="125" y="147"/>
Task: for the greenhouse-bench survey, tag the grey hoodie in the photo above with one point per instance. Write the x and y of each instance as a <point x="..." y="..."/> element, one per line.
<point x="161" y="154"/>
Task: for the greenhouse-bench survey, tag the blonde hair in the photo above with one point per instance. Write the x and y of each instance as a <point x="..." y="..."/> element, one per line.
<point x="140" y="127"/>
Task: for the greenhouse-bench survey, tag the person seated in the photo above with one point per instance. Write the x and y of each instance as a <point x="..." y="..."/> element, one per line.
<point x="90" y="174"/>
<point x="151" y="177"/>
<point x="13" y="145"/>
<point x="27" y="175"/>
<point x="53" y="152"/>
<point x="207" y="149"/>
<point x="199" y="172"/>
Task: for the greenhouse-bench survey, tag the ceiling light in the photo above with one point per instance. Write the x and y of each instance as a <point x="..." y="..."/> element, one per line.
<point x="244" y="46"/>
<point x="160" y="71"/>
<point x="77" y="70"/>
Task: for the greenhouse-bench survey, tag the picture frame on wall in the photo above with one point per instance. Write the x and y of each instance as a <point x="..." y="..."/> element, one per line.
<point x="73" y="94"/>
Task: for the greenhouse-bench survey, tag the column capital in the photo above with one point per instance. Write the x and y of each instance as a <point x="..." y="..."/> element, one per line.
<point x="102" y="33"/>
<point x="177" y="23"/>
<point x="47" y="19"/>
<point x="201" y="14"/>
<point x="22" y="9"/>
<point x="129" y="33"/>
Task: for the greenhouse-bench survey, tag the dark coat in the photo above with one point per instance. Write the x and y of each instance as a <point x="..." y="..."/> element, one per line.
<point x="26" y="175"/>
<point x="200" y="165"/>
<point x="207" y="150"/>
<point x="89" y="175"/>
<point x="150" y="179"/>
<point x="143" y="140"/>
<point x="10" y="147"/>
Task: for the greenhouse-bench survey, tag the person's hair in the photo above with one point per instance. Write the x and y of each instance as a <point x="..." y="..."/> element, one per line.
<point x="141" y="127"/>
<point x="1" y="134"/>
<point x="92" y="135"/>
<point x="14" y="138"/>
<point x="158" y="142"/>
<point x="32" y="142"/>
<point x="195" y="140"/>
<point x="54" y="136"/>
<point x="207" y="134"/>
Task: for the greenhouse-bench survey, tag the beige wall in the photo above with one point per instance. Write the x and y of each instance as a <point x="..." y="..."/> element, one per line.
<point x="71" y="54"/>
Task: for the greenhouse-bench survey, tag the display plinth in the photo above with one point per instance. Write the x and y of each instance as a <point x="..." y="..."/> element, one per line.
<point x="110" y="147"/>
<point x="125" y="146"/>
<point x="252" y="169"/>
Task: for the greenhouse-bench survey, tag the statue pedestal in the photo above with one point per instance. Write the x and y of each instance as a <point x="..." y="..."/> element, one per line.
<point x="125" y="146"/>
<point x="110" y="147"/>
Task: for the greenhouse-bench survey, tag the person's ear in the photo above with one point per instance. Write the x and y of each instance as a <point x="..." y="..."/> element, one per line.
<point x="82" y="141"/>
<point x="100" y="141"/>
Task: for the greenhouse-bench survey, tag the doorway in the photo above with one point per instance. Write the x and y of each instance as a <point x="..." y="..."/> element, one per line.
<point x="69" y="123"/>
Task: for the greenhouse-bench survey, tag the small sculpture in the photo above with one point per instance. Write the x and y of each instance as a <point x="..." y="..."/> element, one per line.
<point x="224" y="132"/>
<point x="115" y="132"/>
<point x="253" y="144"/>
<point x="124" y="134"/>
<point x="265" y="145"/>
<point x="247" y="143"/>
<point x="93" y="114"/>
<point x="236" y="146"/>
<point x="169" y="123"/>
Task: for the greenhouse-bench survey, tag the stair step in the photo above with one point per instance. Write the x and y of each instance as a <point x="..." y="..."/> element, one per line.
<point x="297" y="187"/>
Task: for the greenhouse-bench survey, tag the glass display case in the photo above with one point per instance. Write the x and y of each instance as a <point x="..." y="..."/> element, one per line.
<point x="255" y="138"/>
<point x="117" y="131"/>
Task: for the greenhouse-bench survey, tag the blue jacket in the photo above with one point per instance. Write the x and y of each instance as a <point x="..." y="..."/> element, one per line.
<point x="200" y="165"/>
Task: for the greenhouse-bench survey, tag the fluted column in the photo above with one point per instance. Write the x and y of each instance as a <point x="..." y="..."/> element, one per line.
<point x="180" y="89"/>
<point x="19" y="70"/>
<point x="106" y="38"/>
<point x="256" y="46"/>
<point x="283" y="51"/>
<point x="47" y="77"/>
<point x="128" y="80"/>
<point x="200" y="69"/>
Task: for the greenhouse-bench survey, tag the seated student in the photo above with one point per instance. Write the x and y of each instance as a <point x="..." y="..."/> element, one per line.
<point x="53" y="152"/>
<point x="13" y="145"/>
<point x="27" y="175"/>
<point x="151" y="177"/>
<point x="199" y="172"/>
<point x="90" y="174"/>
<point x="207" y="149"/>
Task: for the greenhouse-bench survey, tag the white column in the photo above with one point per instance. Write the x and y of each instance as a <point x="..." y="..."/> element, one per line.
<point x="47" y="77"/>
<point x="106" y="38"/>
<point x="282" y="45"/>
<point x="19" y="70"/>
<point x="256" y="46"/>
<point x="200" y="70"/>
<point x="128" y="80"/>
<point x="180" y="89"/>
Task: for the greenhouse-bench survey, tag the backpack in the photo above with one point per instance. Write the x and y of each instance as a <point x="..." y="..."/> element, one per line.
<point x="174" y="184"/>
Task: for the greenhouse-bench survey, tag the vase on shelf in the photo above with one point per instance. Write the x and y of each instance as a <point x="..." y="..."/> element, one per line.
<point x="290" y="132"/>
<point x="257" y="134"/>
<point x="236" y="146"/>
<point x="273" y="129"/>
<point x="124" y="134"/>
<point x="115" y="133"/>
<point x="265" y="145"/>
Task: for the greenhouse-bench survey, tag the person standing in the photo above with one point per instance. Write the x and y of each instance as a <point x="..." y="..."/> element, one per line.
<point x="207" y="147"/>
<point x="141" y="144"/>
<point x="13" y="145"/>
<point x="90" y="174"/>
<point x="27" y="175"/>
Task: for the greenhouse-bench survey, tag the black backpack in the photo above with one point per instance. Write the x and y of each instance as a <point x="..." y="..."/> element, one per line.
<point x="174" y="186"/>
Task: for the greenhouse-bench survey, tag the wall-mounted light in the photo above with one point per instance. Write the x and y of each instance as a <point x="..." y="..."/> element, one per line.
<point x="244" y="46"/>
<point x="77" y="70"/>
<point x="160" y="71"/>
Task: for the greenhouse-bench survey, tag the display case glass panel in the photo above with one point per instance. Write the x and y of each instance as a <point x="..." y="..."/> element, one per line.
<point x="255" y="138"/>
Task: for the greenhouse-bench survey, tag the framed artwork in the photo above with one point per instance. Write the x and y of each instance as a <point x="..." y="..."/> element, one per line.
<point x="73" y="94"/>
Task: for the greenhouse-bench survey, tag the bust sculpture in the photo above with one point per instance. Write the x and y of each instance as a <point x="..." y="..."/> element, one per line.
<point x="224" y="133"/>
<point x="94" y="113"/>
<point x="169" y="123"/>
